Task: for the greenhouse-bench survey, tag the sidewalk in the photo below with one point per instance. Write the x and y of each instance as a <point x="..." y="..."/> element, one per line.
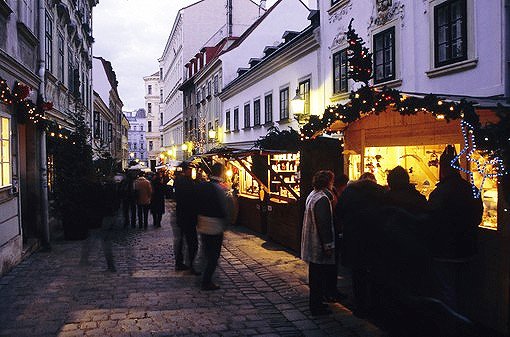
<point x="71" y="292"/>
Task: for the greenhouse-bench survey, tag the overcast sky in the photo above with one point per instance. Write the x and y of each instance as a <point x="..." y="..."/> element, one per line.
<point x="132" y="34"/>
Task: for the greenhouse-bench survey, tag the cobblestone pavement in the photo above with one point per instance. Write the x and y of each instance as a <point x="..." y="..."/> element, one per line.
<point x="70" y="291"/>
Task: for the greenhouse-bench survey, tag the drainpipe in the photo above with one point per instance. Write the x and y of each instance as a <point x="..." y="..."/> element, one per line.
<point x="507" y="50"/>
<point x="43" y="173"/>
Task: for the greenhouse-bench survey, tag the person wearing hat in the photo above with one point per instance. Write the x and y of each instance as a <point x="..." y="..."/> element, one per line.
<point x="455" y="216"/>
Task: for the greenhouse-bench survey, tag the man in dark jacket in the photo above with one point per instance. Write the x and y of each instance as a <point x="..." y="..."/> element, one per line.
<point x="455" y="216"/>
<point x="213" y="216"/>
<point x="186" y="216"/>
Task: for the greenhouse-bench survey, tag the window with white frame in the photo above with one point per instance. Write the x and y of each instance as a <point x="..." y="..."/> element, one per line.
<point x="227" y="120"/>
<point x="149" y="89"/>
<point x="149" y="107"/>
<point x="268" y="108"/>
<point x="216" y="84"/>
<point x="284" y="103"/>
<point x="149" y="126"/>
<point x="236" y="119"/>
<point x="450" y="32"/>
<point x="256" y="112"/>
<point x="5" y="151"/>
<point x="304" y="91"/>
<point x="247" y="115"/>
<point x="384" y="55"/>
<point x="340" y="72"/>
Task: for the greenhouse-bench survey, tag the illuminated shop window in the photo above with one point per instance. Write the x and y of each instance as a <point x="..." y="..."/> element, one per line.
<point x="5" y="152"/>
<point x="487" y="181"/>
<point x="422" y="164"/>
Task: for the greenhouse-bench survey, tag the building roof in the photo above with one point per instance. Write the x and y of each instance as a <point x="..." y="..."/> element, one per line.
<point x="256" y="23"/>
<point x="313" y="17"/>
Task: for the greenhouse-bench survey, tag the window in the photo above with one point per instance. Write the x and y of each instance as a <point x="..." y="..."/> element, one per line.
<point x="208" y="88"/>
<point x="141" y="128"/>
<point x="60" y="57"/>
<point x="284" y="103"/>
<point x="227" y="120"/>
<point x="304" y="91"/>
<point x="149" y="126"/>
<point x="149" y="107"/>
<point x="450" y="32"/>
<point x="161" y="73"/>
<point x="384" y="55"/>
<point x="151" y="145"/>
<point x="135" y="146"/>
<point x="236" y="119"/>
<point x="268" y="108"/>
<point x="149" y="89"/>
<point x="247" y="116"/>
<point x="5" y="152"/>
<point x="97" y="125"/>
<point x="216" y="84"/>
<point x="110" y="132"/>
<point x="48" y="43"/>
<point x="161" y="119"/>
<point x="340" y="72"/>
<point x="161" y="95"/>
<point x="70" y="71"/>
<point x="141" y="136"/>
<point x="256" y="112"/>
<point x="198" y="96"/>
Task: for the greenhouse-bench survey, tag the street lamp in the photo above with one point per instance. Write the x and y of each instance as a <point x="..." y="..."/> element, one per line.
<point x="184" y="147"/>
<point x="212" y="134"/>
<point x="298" y="103"/>
<point x="132" y="155"/>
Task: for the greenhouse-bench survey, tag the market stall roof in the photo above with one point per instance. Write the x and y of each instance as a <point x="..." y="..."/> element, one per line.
<point x="232" y="152"/>
<point x="491" y="102"/>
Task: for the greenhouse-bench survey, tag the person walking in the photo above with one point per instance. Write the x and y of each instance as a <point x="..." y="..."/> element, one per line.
<point x="212" y="220"/>
<point x="143" y="190"/>
<point x="318" y="240"/>
<point x="158" y="183"/>
<point x="185" y="227"/>
<point x="128" y="197"/>
<point x="455" y="216"/>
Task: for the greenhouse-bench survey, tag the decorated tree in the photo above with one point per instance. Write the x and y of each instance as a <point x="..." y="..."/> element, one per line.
<point x="359" y="57"/>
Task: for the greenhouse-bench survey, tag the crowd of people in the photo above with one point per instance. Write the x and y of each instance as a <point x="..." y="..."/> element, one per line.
<point x="407" y="254"/>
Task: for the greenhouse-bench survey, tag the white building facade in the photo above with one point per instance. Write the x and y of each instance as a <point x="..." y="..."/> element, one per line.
<point x="154" y="118"/>
<point x="262" y="71"/>
<point x="203" y="23"/>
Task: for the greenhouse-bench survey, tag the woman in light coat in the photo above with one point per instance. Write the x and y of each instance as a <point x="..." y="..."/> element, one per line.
<point x="318" y="240"/>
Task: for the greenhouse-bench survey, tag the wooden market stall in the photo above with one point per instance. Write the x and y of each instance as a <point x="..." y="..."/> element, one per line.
<point x="378" y="143"/>
<point x="270" y="186"/>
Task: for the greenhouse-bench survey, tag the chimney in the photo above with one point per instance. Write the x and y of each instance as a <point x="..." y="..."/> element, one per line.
<point x="230" y="23"/>
<point x="262" y="7"/>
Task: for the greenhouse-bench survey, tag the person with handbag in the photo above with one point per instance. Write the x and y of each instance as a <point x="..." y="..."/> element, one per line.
<point x="318" y="240"/>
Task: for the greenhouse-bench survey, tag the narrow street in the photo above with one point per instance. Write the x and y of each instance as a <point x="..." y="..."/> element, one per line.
<point x="71" y="292"/>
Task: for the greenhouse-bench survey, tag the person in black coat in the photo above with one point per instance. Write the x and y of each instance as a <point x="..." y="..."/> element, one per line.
<point x="128" y="197"/>
<point x="359" y="209"/>
<point x="403" y="194"/>
<point x="455" y="214"/>
<point x="158" y="197"/>
<point x="186" y="218"/>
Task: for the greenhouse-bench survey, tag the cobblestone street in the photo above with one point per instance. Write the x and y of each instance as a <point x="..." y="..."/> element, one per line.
<point x="71" y="292"/>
